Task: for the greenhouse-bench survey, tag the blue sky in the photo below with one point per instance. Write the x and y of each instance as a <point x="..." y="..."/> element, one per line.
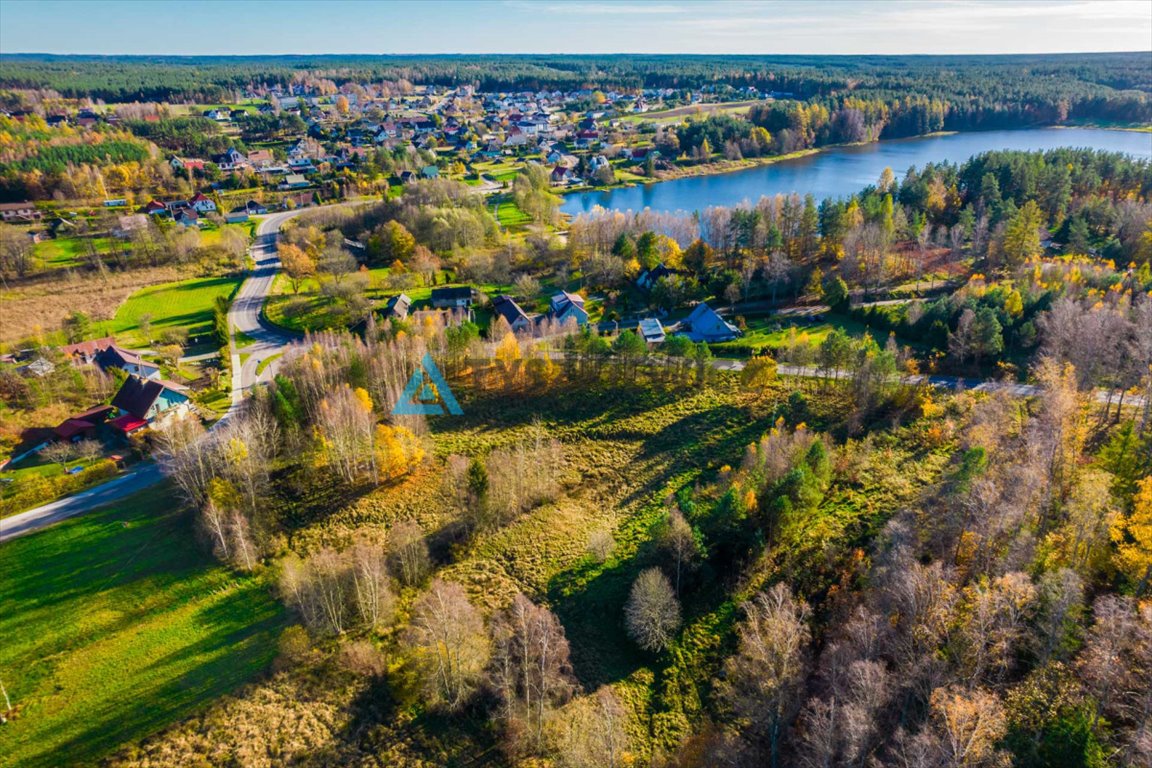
<point x="573" y="26"/>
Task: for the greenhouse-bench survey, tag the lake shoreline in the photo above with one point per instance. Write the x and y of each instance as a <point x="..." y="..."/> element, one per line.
<point x="733" y="168"/>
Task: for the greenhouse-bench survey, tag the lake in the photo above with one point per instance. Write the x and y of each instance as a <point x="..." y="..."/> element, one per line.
<point x="842" y="171"/>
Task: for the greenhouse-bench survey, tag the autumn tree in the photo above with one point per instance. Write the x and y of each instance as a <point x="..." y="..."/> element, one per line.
<point x="397" y="451"/>
<point x="964" y="730"/>
<point x="392" y="242"/>
<point x="346" y="428"/>
<point x="652" y="613"/>
<point x="297" y="264"/>
<point x="447" y="646"/>
<point x="758" y="373"/>
<point x="1133" y="536"/>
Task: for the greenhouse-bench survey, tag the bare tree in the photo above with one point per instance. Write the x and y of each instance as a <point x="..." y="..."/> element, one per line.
<point x="88" y="450"/>
<point x="447" y="645"/>
<point x="764" y="678"/>
<point x="531" y="672"/>
<point x="319" y="587"/>
<point x="681" y="543"/>
<point x="408" y="553"/>
<point x="1117" y="665"/>
<point x="189" y="459"/>
<point x="652" y="613"/>
<point x="374" y="599"/>
<point x="590" y="732"/>
<point x="61" y="452"/>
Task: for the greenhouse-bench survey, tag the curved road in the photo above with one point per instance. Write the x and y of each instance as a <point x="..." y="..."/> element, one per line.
<point x="245" y="315"/>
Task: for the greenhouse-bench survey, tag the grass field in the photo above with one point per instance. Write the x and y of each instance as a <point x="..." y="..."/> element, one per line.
<point x="186" y="304"/>
<point x="509" y="214"/>
<point x="68" y="251"/>
<point x="115" y="626"/>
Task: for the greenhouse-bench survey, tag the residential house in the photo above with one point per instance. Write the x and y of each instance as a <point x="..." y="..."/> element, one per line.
<point x="106" y="354"/>
<point x="113" y="356"/>
<point x="649" y="277"/>
<point x="149" y="402"/>
<point x="261" y="158"/>
<point x="561" y="175"/>
<point x="650" y="330"/>
<point x="507" y="308"/>
<point x="430" y="172"/>
<point x="255" y="208"/>
<point x="298" y="200"/>
<point x="705" y="324"/>
<point x="187" y="217"/>
<point x="565" y="306"/>
<point x="84" y="352"/>
<point x="83" y="426"/>
<point x="294" y="181"/>
<point x="202" y="203"/>
<point x="397" y="307"/>
<point x="19" y="212"/>
<point x="454" y="297"/>
<point x="231" y="160"/>
<point x="155" y="208"/>
<point x="186" y="164"/>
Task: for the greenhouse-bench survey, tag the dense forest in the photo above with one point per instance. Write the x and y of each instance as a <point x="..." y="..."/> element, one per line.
<point x="973" y="91"/>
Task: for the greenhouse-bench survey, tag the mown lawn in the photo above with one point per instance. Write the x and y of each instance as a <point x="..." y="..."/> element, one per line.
<point x="69" y="251"/>
<point x="116" y="625"/>
<point x="509" y="214"/>
<point x="187" y="304"/>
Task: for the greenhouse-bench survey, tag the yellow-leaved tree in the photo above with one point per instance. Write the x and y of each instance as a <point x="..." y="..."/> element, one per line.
<point x="508" y="359"/>
<point x="398" y="451"/>
<point x="1133" y="536"/>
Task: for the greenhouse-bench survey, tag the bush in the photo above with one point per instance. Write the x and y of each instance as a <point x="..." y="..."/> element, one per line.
<point x="41" y="490"/>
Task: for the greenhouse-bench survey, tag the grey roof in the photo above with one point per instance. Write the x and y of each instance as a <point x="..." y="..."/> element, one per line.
<point x="506" y="307"/>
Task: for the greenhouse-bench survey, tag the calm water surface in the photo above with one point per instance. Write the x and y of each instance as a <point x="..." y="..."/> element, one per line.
<point x="845" y="170"/>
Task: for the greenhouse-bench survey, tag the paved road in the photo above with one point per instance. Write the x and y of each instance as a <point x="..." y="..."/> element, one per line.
<point x="245" y="315"/>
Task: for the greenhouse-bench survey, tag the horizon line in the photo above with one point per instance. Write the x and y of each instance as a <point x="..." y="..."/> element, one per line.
<point x="572" y="53"/>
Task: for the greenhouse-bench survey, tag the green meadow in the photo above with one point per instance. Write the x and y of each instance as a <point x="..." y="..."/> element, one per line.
<point x="117" y="624"/>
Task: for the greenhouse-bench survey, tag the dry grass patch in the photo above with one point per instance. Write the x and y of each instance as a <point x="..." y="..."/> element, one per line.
<point x="41" y="305"/>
